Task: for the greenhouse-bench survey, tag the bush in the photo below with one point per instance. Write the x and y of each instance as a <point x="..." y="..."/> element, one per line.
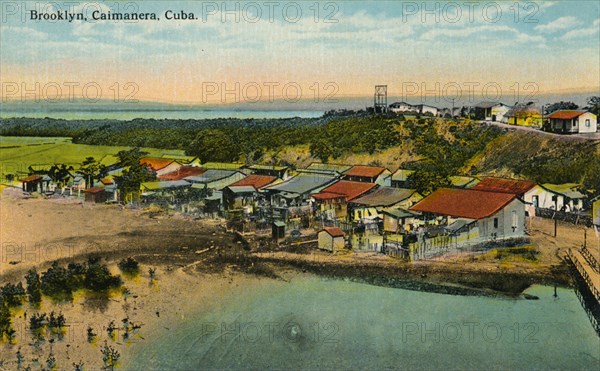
<point x="56" y="283"/>
<point x="34" y="286"/>
<point x="129" y="266"/>
<point x="13" y="294"/>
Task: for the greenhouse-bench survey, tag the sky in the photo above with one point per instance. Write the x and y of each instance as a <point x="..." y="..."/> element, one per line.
<point x="260" y="50"/>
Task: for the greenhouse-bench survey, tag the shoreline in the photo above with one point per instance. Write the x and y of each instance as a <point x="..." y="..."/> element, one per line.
<point x="199" y="263"/>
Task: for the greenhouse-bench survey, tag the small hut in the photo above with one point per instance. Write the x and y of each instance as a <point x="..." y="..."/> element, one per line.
<point x="331" y="239"/>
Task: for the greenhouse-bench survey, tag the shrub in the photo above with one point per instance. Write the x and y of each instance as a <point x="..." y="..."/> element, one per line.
<point x="34" y="286"/>
<point x="129" y="266"/>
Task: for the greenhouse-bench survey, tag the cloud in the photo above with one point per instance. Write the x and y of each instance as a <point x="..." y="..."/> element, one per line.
<point x="558" y="24"/>
<point x="581" y="32"/>
<point x="23" y="32"/>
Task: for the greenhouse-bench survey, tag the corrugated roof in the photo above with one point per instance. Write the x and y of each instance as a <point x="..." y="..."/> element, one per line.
<point x="512" y="186"/>
<point x="350" y="190"/>
<point x="384" y="196"/>
<point x="398" y="213"/>
<point x="156" y="163"/>
<point x="402" y="175"/>
<point x="334" y="231"/>
<point x="365" y="171"/>
<point x="318" y="166"/>
<point x="569" y="189"/>
<point x="464" y="203"/>
<point x="165" y="184"/>
<point x="565" y="114"/>
<point x="242" y="189"/>
<point x="222" y="165"/>
<point x="256" y="181"/>
<point x="302" y="183"/>
<point x="210" y="176"/>
<point x="183" y="172"/>
<point x="268" y="167"/>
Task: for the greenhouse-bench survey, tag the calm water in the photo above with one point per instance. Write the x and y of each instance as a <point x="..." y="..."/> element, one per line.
<point x="314" y="323"/>
<point x="161" y="114"/>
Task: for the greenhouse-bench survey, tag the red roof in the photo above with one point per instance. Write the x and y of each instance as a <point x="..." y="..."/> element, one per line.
<point x="349" y="189"/>
<point x="31" y="178"/>
<point x="106" y="181"/>
<point x="183" y="172"/>
<point x="464" y="203"/>
<point x="256" y="181"/>
<point x="94" y="190"/>
<point x="512" y="186"/>
<point x="334" y="231"/>
<point x="365" y="171"/>
<point x="565" y="114"/>
<point x="156" y="163"/>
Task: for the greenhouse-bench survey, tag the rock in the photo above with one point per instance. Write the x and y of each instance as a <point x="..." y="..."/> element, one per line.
<point x="530" y="297"/>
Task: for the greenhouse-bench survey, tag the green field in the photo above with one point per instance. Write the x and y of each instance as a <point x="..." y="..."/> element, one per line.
<point x="27" y="141"/>
<point x="18" y="153"/>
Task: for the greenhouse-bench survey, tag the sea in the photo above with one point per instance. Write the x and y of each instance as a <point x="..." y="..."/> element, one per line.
<point x="313" y="323"/>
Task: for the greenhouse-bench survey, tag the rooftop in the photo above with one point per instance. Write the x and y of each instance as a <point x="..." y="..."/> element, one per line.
<point x="268" y="167"/>
<point x="302" y="183"/>
<point x="183" y="172"/>
<point x="334" y="231"/>
<point x="565" y="114"/>
<point x="210" y="176"/>
<point x="256" y="181"/>
<point x="384" y="196"/>
<point x="165" y="184"/>
<point x="365" y="171"/>
<point x="31" y="178"/>
<point x="511" y="186"/>
<point x="350" y="190"/>
<point x="464" y="203"/>
<point x="401" y="175"/>
<point x="156" y="163"/>
<point x="222" y="165"/>
<point x="488" y="104"/>
<point x="568" y="189"/>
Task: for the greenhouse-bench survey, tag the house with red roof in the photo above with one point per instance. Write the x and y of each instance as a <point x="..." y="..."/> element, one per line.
<point x="183" y="172"/>
<point x="244" y="194"/>
<point x="572" y="122"/>
<point x="474" y="215"/>
<point x="160" y="166"/>
<point x="332" y="201"/>
<point x="331" y="239"/>
<point x="369" y="174"/>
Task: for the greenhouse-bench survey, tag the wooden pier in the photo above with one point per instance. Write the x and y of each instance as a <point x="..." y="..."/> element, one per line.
<point x="586" y="273"/>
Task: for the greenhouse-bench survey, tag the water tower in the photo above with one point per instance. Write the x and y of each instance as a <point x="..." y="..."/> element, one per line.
<point x="380" y="100"/>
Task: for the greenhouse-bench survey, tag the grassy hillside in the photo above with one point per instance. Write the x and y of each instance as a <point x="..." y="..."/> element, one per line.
<point x="540" y="157"/>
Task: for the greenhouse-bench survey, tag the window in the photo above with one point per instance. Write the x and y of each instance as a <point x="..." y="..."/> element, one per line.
<point x="496" y="223"/>
<point x="587" y="123"/>
<point x="515" y="221"/>
<point x="574" y="123"/>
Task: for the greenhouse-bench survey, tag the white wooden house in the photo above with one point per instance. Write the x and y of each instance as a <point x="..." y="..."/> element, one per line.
<point x="572" y="122"/>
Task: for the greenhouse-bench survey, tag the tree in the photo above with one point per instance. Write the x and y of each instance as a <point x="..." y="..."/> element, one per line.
<point x="321" y="150"/>
<point x="560" y="106"/>
<point x="90" y="169"/>
<point x="135" y="173"/>
<point x="34" y="287"/>
<point x="594" y="105"/>
<point x="60" y="174"/>
<point x="214" y="145"/>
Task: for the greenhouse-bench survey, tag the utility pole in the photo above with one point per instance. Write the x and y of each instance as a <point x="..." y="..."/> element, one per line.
<point x="555" y="213"/>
